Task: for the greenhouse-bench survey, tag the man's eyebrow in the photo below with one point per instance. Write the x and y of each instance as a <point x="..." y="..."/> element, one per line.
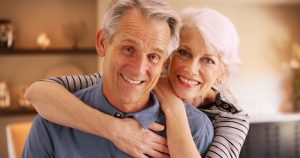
<point x="130" y="40"/>
<point x="160" y="51"/>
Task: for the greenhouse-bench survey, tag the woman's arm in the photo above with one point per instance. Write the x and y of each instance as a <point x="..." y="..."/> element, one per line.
<point x="76" y="82"/>
<point x="55" y="103"/>
<point x="231" y="127"/>
<point x="180" y="140"/>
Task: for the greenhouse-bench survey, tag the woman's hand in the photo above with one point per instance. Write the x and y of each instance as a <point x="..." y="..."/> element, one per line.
<point x="129" y="136"/>
<point x="180" y="139"/>
<point x="195" y="101"/>
<point x="166" y="96"/>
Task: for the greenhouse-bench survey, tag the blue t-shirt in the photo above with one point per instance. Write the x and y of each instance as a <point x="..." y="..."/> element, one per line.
<point x="47" y="139"/>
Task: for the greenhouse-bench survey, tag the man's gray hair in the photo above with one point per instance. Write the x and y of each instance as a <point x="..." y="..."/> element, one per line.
<point x="154" y="9"/>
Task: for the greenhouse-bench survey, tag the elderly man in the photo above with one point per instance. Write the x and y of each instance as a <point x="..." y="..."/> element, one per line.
<point x="134" y="43"/>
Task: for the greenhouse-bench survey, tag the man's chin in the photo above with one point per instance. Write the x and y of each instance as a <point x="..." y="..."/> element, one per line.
<point x="129" y="100"/>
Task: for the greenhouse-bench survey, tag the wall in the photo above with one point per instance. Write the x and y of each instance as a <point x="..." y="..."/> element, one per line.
<point x="101" y="9"/>
<point x="266" y="29"/>
<point x="56" y="18"/>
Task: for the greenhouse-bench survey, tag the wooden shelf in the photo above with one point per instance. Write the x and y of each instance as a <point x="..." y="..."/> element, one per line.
<point x="47" y="51"/>
<point x="16" y="111"/>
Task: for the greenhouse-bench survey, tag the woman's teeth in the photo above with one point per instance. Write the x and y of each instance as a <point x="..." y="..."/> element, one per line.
<point x="188" y="81"/>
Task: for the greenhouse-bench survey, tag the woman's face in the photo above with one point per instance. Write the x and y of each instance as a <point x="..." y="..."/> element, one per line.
<point x="193" y="69"/>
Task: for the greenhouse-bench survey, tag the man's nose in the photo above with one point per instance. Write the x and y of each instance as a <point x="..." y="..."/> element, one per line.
<point x="140" y="65"/>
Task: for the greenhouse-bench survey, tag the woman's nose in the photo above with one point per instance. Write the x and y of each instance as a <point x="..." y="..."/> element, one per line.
<point x="194" y="68"/>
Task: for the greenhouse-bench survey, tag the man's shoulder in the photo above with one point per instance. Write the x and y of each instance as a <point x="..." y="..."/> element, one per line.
<point x="85" y="90"/>
<point x="201" y="128"/>
<point x="89" y="94"/>
<point x="193" y="112"/>
<point x="92" y="96"/>
<point x="41" y="122"/>
<point x="197" y="119"/>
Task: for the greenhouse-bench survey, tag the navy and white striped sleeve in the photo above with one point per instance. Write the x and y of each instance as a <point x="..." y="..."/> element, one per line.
<point x="230" y="131"/>
<point x="75" y="82"/>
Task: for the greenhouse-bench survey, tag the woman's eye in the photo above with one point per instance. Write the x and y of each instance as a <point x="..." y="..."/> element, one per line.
<point x="127" y="50"/>
<point x="208" y="60"/>
<point x="153" y="58"/>
<point x="183" y="53"/>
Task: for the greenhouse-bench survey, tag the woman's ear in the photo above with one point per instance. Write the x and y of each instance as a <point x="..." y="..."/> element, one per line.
<point x="166" y="67"/>
<point x="167" y="62"/>
<point x="221" y="78"/>
<point x="223" y="74"/>
<point x="101" y="42"/>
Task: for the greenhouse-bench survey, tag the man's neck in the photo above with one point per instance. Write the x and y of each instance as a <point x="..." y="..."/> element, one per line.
<point x="132" y="108"/>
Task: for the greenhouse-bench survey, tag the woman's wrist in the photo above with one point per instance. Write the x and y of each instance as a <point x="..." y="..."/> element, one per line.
<point x="107" y="127"/>
<point x="173" y="108"/>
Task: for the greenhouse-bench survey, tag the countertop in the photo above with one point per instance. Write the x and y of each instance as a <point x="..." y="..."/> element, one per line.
<point x="279" y="117"/>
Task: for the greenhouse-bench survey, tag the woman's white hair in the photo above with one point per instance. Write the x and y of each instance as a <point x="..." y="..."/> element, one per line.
<point x="219" y="35"/>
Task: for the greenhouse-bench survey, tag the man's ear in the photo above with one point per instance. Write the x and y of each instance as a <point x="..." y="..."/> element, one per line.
<point x="101" y="42"/>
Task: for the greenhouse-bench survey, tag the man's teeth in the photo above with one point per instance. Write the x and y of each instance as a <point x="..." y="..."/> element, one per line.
<point x="187" y="81"/>
<point x="132" y="81"/>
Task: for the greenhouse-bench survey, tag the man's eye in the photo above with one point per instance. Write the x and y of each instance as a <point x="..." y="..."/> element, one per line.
<point x="208" y="60"/>
<point x="153" y="58"/>
<point x="127" y="50"/>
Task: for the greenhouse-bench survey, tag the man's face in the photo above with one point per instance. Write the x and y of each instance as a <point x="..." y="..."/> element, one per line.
<point x="133" y="61"/>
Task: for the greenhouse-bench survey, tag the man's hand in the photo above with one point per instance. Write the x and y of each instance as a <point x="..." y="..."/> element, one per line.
<point x="130" y="137"/>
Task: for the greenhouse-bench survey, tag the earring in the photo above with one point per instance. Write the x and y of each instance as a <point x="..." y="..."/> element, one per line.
<point x="219" y="80"/>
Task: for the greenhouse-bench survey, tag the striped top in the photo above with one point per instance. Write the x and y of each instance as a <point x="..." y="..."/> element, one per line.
<point x="231" y="123"/>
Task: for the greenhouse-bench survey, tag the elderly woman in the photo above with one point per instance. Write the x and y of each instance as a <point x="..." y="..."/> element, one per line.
<point x="198" y="72"/>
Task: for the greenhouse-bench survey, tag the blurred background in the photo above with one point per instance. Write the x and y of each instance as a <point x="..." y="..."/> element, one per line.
<point x="41" y="38"/>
